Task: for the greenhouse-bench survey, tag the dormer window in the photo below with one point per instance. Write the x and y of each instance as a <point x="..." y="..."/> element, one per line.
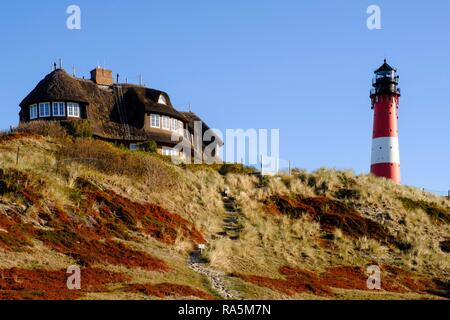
<point x="162" y="100"/>
<point x="33" y="111"/>
<point x="44" y="109"/>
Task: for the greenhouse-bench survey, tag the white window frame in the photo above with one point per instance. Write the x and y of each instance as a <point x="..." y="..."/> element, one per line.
<point x="155" y="120"/>
<point x="59" y="109"/>
<point x="173" y="125"/>
<point x="44" y="109"/>
<point x="34" y="111"/>
<point x="162" y="100"/>
<point x="73" y="109"/>
<point x="165" y="122"/>
<point x="167" y="151"/>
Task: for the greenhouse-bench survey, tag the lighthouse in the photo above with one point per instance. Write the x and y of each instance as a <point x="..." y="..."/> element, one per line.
<point x="385" y="96"/>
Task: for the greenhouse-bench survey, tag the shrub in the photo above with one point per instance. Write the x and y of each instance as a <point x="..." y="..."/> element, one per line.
<point x="43" y="128"/>
<point x="222" y="168"/>
<point x="58" y="129"/>
<point x="149" y="146"/>
<point x="109" y="159"/>
<point x="78" y="128"/>
<point x="347" y="194"/>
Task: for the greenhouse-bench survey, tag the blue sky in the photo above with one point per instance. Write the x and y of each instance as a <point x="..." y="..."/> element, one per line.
<point x="304" y="67"/>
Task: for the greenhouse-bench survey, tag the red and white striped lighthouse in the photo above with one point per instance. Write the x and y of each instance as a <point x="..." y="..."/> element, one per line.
<point x="385" y="96"/>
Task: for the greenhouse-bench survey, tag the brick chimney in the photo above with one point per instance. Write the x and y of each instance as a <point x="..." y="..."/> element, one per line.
<point x="102" y="76"/>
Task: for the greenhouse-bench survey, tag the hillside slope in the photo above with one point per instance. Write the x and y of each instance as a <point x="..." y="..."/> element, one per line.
<point x="133" y="222"/>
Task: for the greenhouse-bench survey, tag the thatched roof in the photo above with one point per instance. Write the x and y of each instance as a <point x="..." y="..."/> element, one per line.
<point x="101" y="105"/>
<point x="57" y="85"/>
<point x="191" y="118"/>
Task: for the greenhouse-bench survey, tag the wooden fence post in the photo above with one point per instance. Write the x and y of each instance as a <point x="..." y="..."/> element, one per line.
<point x="289" y="168"/>
<point x="17" y="156"/>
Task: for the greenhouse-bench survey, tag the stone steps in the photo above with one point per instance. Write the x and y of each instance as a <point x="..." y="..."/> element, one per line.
<point x="231" y="224"/>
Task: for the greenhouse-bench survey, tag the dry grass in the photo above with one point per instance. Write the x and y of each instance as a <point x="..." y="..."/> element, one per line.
<point x="267" y="242"/>
<point x="111" y="160"/>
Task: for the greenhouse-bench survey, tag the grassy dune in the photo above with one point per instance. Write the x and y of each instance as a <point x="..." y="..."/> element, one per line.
<point x="133" y="218"/>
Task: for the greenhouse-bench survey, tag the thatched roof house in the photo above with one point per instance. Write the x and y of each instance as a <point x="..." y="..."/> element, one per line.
<point x="123" y="113"/>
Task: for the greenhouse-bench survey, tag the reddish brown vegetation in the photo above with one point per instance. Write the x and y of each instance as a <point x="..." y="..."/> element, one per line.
<point x="20" y="284"/>
<point x="163" y="290"/>
<point x="86" y="234"/>
<point x="296" y="281"/>
<point x="13" y="233"/>
<point x="89" y="251"/>
<point x="348" y="277"/>
<point x="331" y="214"/>
<point x="21" y="185"/>
<point x="116" y="214"/>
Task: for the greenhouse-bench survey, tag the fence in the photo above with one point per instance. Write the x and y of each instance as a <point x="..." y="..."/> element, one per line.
<point x="274" y="165"/>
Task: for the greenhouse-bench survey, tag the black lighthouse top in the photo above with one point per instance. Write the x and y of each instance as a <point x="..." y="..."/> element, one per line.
<point x="385" y="81"/>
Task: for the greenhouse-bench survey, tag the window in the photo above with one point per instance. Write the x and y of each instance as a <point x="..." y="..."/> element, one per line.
<point x="162" y="100"/>
<point x="173" y="125"/>
<point x="166" y="151"/>
<point x="166" y="122"/>
<point x="73" y="110"/>
<point x="134" y="146"/>
<point x="154" y="121"/>
<point x="44" y="109"/>
<point x="59" y="109"/>
<point x="33" y="111"/>
<point x="180" y="127"/>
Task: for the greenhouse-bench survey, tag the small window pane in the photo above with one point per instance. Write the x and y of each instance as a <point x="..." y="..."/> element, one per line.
<point x="73" y="109"/>
<point x="33" y="112"/>
<point x="44" y="109"/>
<point x="58" y="109"/>
<point x="165" y="123"/>
<point x="155" y="121"/>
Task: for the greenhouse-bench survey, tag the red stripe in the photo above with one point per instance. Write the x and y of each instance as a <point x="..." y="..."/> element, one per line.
<point x="387" y="170"/>
<point x="385" y="117"/>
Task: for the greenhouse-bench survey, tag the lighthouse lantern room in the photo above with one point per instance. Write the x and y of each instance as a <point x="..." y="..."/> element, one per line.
<point x="385" y="96"/>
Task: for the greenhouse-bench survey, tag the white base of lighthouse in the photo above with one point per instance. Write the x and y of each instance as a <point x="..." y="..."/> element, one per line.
<point x="385" y="150"/>
<point x="386" y="158"/>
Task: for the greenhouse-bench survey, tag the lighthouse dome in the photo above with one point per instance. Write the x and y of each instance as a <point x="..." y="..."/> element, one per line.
<point x="385" y="67"/>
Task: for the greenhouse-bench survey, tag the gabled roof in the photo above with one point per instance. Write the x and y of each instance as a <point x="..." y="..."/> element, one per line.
<point x="384" y="67"/>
